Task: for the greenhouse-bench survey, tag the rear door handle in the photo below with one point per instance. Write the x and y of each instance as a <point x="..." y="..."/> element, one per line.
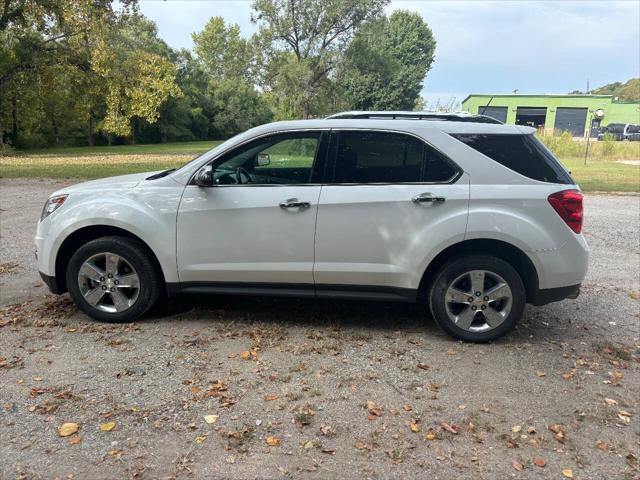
<point x="294" y="203"/>
<point x="427" y="198"/>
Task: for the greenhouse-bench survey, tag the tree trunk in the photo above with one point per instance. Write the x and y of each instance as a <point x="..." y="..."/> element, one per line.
<point x="1" y="138"/>
<point x="14" y="120"/>
<point x="90" y="141"/>
<point x="133" y="131"/>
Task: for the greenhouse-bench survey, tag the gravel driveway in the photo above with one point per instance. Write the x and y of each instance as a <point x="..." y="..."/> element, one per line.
<point x="237" y="387"/>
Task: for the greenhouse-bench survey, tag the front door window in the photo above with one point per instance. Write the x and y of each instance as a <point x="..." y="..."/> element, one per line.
<point x="284" y="159"/>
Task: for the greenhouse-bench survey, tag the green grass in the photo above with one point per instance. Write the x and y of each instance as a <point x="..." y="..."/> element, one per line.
<point x="602" y="172"/>
<point x="187" y="148"/>
<point x="603" y="175"/>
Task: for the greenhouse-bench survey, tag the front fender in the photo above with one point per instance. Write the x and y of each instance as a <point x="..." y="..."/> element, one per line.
<point x="148" y="214"/>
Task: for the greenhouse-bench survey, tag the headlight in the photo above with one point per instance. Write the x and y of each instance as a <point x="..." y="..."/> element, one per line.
<point x="52" y="205"/>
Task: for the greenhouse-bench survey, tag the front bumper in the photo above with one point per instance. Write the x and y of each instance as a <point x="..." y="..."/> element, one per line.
<point x="550" y="295"/>
<point x="51" y="283"/>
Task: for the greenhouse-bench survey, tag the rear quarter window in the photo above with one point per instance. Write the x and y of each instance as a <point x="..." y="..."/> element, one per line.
<point x="523" y="154"/>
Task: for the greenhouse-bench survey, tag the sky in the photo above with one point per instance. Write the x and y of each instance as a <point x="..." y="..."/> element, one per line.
<point x="552" y="46"/>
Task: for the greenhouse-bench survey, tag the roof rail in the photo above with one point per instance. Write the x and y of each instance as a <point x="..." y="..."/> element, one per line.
<point x="408" y="115"/>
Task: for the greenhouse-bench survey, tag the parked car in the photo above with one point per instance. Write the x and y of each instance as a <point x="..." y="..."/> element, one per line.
<point x="633" y="133"/>
<point x="620" y="131"/>
<point x="471" y="220"/>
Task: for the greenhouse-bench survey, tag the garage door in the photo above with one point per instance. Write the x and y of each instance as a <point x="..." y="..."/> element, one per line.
<point x="572" y="120"/>
<point x="499" y="113"/>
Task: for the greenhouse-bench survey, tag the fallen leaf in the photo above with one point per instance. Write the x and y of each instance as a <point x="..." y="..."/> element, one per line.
<point x="623" y="413"/>
<point x="360" y="445"/>
<point x="518" y="466"/>
<point x="602" y="446"/>
<point x="246" y="355"/>
<point x="67" y="429"/>
<point x="540" y="462"/>
<point x="407" y="408"/>
<point x="272" y="441"/>
<point x="269" y="398"/>
<point x="624" y="418"/>
<point x="373" y="408"/>
<point x="330" y="451"/>
<point x="218" y="386"/>
<point x="516" y="428"/>
<point x="531" y="430"/>
<point x="431" y="435"/>
<point x="567" y="472"/>
<point x="415" y="428"/>
<point x="540" y="374"/>
<point x="210" y="418"/>
<point x="559" y="434"/>
<point x="449" y="428"/>
<point x="195" y="390"/>
<point x="75" y="440"/>
<point x="423" y="366"/>
<point x="200" y="440"/>
<point x="107" y="427"/>
<point x="610" y="401"/>
<point x="634" y="295"/>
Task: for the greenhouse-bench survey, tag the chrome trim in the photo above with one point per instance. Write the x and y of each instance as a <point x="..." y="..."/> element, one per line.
<point x="453" y="179"/>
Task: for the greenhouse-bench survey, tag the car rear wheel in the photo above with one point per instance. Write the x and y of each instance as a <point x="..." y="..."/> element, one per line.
<point x="113" y="279"/>
<point x="477" y="298"/>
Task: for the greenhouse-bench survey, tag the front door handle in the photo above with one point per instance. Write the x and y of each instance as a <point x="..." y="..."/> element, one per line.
<point x="294" y="203"/>
<point x="427" y="198"/>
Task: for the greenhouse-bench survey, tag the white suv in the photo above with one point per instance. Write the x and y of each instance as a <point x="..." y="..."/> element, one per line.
<point x="473" y="219"/>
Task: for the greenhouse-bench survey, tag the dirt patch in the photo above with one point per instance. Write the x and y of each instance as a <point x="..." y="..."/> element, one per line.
<point x="238" y="387"/>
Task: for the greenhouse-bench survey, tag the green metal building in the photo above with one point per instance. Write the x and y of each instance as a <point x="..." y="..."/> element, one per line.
<point x="555" y="113"/>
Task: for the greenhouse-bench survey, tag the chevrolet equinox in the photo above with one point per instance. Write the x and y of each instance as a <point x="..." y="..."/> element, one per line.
<point x="473" y="219"/>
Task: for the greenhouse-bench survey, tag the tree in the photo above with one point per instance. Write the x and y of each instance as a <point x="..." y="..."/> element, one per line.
<point x="386" y="63"/>
<point x="223" y="52"/>
<point x="227" y="61"/>
<point x="314" y="34"/>
<point x="624" y="92"/>
<point x="105" y="53"/>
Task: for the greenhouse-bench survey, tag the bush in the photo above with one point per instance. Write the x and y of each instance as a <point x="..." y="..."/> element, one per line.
<point x="565" y="146"/>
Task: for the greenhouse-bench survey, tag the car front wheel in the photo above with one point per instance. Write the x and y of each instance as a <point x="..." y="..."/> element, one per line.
<point x="477" y="298"/>
<point x="113" y="279"/>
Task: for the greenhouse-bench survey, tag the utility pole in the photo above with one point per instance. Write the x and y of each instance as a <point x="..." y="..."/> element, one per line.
<point x="586" y="150"/>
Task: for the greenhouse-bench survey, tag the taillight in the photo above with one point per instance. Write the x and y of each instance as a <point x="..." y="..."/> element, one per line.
<point x="568" y="204"/>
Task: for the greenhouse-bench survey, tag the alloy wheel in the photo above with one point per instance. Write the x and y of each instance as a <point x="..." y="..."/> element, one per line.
<point x="478" y="300"/>
<point x="108" y="282"/>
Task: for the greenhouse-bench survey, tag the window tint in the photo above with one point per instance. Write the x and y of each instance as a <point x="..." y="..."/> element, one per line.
<point x="437" y="167"/>
<point x="277" y="159"/>
<point x="524" y="154"/>
<point x="383" y="157"/>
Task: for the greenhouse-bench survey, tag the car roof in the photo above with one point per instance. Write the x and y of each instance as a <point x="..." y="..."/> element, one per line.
<point x="401" y="125"/>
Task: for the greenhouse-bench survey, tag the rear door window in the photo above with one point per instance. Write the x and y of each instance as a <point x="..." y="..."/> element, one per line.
<point x="364" y="157"/>
<point x="523" y="154"/>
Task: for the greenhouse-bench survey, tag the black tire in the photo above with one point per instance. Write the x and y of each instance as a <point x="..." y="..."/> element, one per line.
<point x="458" y="267"/>
<point x="134" y="252"/>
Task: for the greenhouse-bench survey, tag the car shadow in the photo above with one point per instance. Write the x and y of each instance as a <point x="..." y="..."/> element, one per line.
<point x="312" y="312"/>
<point x="374" y="316"/>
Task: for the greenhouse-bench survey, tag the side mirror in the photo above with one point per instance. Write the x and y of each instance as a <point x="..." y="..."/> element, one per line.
<point x="204" y="177"/>
<point x="263" y="159"/>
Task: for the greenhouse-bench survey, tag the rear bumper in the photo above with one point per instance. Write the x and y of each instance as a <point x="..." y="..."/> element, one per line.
<point x="51" y="283"/>
<point x="550" y="295"/>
